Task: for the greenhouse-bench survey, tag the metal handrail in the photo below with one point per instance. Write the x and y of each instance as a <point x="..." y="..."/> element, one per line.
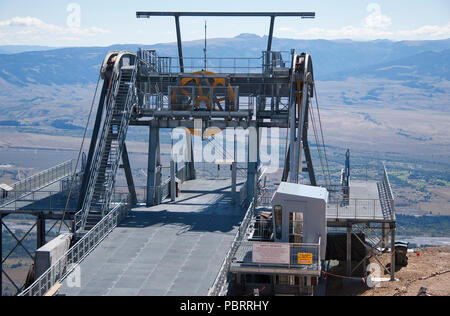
<point x="48" y="200"/>
<point x="102" y="144"/>
<point x="295" y="248"/>
<point x="388" y="187"/>
<point x="38" y="181"/>
<point x="68" y="262"/>
<point x="354" y="208"/>
<point x="221" y="277"/>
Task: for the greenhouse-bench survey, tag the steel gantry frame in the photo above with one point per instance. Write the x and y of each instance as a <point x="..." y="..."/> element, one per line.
<point x="289" y="82"/>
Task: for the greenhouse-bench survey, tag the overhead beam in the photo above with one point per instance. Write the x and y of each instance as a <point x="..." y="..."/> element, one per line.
<point x="177" y="15"/>
<point x="303" y="15"/>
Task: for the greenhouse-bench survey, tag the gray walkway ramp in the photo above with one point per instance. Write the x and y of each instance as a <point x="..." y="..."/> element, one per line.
<point x="171" y="249"/>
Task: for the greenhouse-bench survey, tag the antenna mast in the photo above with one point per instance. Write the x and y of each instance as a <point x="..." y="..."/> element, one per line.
<point x="204" y="49"/>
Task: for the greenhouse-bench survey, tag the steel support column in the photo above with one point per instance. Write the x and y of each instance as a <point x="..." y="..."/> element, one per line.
<point x="292" y="126"/>
<point x="129" y="174"/>
<point x="252" y="169"/>
<point x="1" y="255"/>
<point x="40" y="231"/>
<point x="392" y="227"/>
<point x="234" y="182"/>
<point x="269" y="43"/>
<point x="92" y="145"/>
<point x="173" y="182"/>
<point x="153" y="173"/>
<point x="301" y="124"/>
<point x="190" y="164"/>
<point x="180" y="47"/>
<point x="349" y="251"/>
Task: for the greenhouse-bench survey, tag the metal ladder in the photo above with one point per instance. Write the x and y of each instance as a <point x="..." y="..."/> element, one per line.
<point x="122" y="98"/>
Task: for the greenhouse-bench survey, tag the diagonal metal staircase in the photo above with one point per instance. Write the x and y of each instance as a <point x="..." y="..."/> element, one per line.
<point x="106" y="160"/>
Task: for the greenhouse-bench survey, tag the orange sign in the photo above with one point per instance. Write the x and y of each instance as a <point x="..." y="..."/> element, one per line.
<point x="305" y="258"/>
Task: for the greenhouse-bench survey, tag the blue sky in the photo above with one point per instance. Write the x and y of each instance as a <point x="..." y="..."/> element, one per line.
<point x="100" y="22"/>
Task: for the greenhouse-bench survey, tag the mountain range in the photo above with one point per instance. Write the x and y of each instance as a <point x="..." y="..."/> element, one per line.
<point x="333" y="60"/>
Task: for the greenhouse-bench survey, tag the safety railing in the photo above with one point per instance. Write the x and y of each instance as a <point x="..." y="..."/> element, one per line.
<point x="387" y="185"/>
<point x="171" y="65"/>
<point x="38" y="181"/>
<point x="265" y="197"/>
<point x="141" y="192"/>
<point x="303" y="256"/>
<point x="68" y="262"/>
<point x="260" y="229"/>
<point x="276" y="61"/>
<point x="221" y="279"/>
<point x="39" y="201"/>
<point x="355" y="209"/>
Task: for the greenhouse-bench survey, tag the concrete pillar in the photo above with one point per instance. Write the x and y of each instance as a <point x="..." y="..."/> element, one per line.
<point x="349" y="251"/>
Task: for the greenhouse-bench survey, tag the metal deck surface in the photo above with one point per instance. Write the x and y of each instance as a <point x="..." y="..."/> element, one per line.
<point x="170" y="249"/>
<point x="364" y="203"/>
<point x="45" y="199"/>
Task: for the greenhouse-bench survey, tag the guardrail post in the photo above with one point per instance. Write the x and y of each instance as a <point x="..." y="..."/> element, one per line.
<point x="374" y="206"/>
<point x="349" y="251"/>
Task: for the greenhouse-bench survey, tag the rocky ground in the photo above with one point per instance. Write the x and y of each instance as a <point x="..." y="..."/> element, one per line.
<point x="429" y="268"/>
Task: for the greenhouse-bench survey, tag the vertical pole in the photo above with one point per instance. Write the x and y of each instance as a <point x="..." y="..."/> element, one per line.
<point x="173" y="193"/>
<point x="180" y="48"/>
<point x="252" y="164"/>
<point x="189" y="160"/>
<point x="349" y="251"/>
<point x="129" y="175"/>
<point x="392" y="227"/>
<point x="234" y="170"/>
<point x="269" y="43"/>
<point x="292" y="126"/>
<point x="1" y="255"/>
<point x="153" y="176"/>
<point x="40" y="227"/>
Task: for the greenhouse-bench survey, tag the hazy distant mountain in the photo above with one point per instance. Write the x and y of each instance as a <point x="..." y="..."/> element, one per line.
<point x="416" y="67"/>
<point x="332" y="59"/>
<point x="15" y="49"/>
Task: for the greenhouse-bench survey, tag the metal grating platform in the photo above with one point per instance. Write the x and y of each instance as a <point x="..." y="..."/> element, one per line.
<point x="366" y="202"/>
<point x="170" y="249"/>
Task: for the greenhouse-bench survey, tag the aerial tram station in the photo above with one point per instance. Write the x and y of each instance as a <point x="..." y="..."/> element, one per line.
<point x="196" y="235"/>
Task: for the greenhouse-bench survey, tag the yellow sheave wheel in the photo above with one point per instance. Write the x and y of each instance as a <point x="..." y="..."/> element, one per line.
<point x="201" y="96"/>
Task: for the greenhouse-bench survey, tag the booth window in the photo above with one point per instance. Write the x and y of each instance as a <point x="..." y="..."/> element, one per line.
<point x="296" y="227"/>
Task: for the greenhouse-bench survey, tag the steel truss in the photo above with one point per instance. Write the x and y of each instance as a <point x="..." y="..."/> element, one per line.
<point x="376" y="243"/>
<point x="39" y="226"/>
